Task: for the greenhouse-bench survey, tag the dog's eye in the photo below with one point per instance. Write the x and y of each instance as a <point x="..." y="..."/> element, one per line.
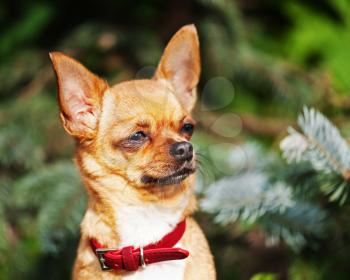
<point x="138" y="136"/>
<point x="187" y="128"/>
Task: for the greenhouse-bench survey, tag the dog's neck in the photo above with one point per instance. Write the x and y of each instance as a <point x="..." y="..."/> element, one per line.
<point x="117" y="216"/>
<point x="146" y="223"/>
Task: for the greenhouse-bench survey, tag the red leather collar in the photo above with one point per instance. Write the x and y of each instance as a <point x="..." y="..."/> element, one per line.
<point x="130" y="258"/>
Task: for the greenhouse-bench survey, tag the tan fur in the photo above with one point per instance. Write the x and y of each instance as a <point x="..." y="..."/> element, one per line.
<point x="101" y="118"/>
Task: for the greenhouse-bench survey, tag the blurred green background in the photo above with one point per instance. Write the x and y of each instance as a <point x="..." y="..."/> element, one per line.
<point x="261" y="62"/>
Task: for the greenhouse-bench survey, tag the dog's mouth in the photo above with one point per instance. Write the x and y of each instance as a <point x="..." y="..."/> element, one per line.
<point x="171" y="179"/>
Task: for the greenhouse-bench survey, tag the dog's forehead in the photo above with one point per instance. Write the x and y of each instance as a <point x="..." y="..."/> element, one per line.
<point x="143" y="97"/>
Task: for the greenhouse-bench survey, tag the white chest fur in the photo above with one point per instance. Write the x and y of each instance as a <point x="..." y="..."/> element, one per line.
<point x="140" y="225"/>
<point x="171" y="270"/>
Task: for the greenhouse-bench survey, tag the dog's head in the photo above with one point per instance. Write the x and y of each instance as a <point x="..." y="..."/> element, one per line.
<point x="138" y="129"/>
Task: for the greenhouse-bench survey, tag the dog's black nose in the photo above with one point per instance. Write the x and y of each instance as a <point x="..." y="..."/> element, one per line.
<point x="182" y="151"/>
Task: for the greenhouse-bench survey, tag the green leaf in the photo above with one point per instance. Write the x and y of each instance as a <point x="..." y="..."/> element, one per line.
<point x="264" y="276"/>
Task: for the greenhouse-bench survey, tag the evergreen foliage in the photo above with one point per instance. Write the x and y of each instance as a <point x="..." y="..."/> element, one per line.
<point x="252" y="196"/>
<point x="281" y="211"/>
<point x="324" y="148"/>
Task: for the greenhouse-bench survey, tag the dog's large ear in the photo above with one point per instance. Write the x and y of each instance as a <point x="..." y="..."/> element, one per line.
<point x="180" y="65"/>
<point x="79" y="95"/>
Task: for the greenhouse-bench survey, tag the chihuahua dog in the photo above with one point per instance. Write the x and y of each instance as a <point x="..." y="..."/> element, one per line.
<point x="136" y="161"/>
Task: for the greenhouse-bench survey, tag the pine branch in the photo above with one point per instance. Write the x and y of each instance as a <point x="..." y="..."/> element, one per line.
<point x="320" y="144"/>
<point x="55" y="191"/>
<point x="246" y="196"/>
<point x="333" y="152"/>
<point x="260" y="194"/>
<point x="295" y="225"/>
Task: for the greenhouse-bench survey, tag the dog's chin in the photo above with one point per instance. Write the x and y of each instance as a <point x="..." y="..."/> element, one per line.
<point x="172" y="179"/>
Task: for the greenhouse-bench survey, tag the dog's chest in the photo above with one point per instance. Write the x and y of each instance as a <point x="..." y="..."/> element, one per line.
<point x="171" y="270"/>
<point x="146" y="224"/>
